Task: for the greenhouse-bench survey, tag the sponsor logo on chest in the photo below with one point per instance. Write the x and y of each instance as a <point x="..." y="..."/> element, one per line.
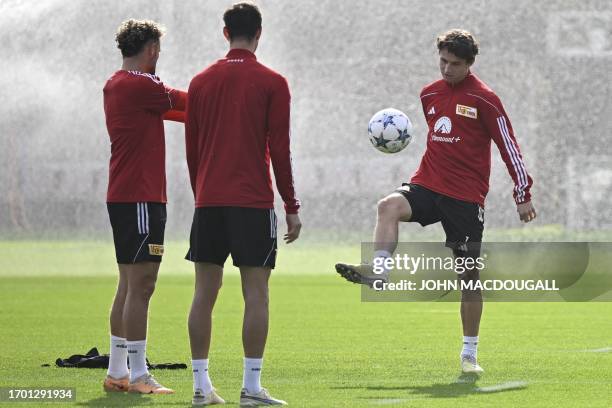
<point x="467" y="111"/>
<point x="443" y="126"/>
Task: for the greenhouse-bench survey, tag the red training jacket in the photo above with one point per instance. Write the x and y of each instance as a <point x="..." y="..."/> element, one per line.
<point x="462" y="120"/>
<point x="135" y="104"/>
<point x="237" y="121"/>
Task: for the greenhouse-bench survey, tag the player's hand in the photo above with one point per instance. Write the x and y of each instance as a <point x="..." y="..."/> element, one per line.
<point x="526" y="211"/>
<point x="294" y="225"/>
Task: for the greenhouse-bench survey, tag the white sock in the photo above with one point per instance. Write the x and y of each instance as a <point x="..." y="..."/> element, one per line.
<point x="252" y="374"/>
<point x="117" y="362"/>
<point x="379" y="260"/>
<point x="201" y="379"/>
<point x="137" y="354"/>
<point x="470" y="346"/>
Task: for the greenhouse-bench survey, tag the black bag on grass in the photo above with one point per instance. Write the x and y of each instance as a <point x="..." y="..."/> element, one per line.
<point x="93" y="359"/>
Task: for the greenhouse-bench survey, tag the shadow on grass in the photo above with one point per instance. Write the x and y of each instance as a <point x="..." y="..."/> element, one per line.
<point x="121" y="400"/>
<point x="452" y="390"/>
<point x="124" y="399"/>
<point x="464" y="385"/>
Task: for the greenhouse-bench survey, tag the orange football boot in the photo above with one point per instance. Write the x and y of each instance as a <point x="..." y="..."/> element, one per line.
<point x="146" y="384"/>
<point x="116" y="384"/>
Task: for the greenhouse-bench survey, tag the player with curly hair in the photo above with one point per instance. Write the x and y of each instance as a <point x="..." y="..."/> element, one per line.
<point x="136" y="102"/>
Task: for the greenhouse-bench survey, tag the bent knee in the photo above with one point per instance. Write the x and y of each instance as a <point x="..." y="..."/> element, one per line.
<point x="394" y="206"/>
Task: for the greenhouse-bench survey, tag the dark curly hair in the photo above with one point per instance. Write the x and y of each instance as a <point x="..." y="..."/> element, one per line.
<point x="132" y="35"/>
<point x="242" y="20"/>
<point x="460" y="43"/>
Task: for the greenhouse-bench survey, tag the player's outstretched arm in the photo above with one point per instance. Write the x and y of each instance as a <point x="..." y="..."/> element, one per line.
<point x="177" y="113"/>
<point x="180" y="100"/>
<point x="157" y="97"/>
<point x="175" y="116"/>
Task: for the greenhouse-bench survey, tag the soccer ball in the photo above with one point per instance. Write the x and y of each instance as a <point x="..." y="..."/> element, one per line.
<point x="390" y="130"/>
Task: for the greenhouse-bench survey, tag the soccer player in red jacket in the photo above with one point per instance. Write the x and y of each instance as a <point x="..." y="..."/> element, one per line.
<point x="237" y="122"/>
<point x="135" y="104"/>
<point x="463" y="115"/>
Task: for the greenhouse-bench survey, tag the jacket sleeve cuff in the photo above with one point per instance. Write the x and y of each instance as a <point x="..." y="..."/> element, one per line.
<point x="291" y="209"/>
<point x="526" y="198"/>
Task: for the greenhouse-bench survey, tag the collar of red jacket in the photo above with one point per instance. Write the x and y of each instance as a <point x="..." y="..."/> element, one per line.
<point x="468" y="78"/>
<point x="240" y="53"/>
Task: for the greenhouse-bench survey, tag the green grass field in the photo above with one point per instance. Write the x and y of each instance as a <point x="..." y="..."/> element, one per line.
<point x="326" y="348"/>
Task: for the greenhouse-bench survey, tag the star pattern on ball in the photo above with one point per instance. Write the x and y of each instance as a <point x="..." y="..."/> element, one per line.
<point x="380" y="141"/>
<point x="387" y="120"/>
<point x="403" y="135"/>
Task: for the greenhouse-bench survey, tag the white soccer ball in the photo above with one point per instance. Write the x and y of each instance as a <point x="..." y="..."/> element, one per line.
<point x="390" y="130"/>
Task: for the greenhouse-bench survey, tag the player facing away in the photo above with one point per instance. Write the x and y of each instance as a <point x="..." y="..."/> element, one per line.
<point x="463" y="115"/>
<point x="135" y="103"/>
<point x="237" y="121"/>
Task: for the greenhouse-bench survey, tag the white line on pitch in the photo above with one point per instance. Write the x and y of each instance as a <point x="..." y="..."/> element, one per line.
<point x="512" y="385"/>
<point x="599" y="350"/>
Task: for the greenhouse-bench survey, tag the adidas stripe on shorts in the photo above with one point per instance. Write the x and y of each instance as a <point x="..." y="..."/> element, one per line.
<point x="138" y="231"/>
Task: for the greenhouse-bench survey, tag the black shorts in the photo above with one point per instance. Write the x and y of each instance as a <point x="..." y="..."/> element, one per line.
<point x="463" y="222"/>
<point x="138" y="231"/>
<point x="248" y="234"/>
